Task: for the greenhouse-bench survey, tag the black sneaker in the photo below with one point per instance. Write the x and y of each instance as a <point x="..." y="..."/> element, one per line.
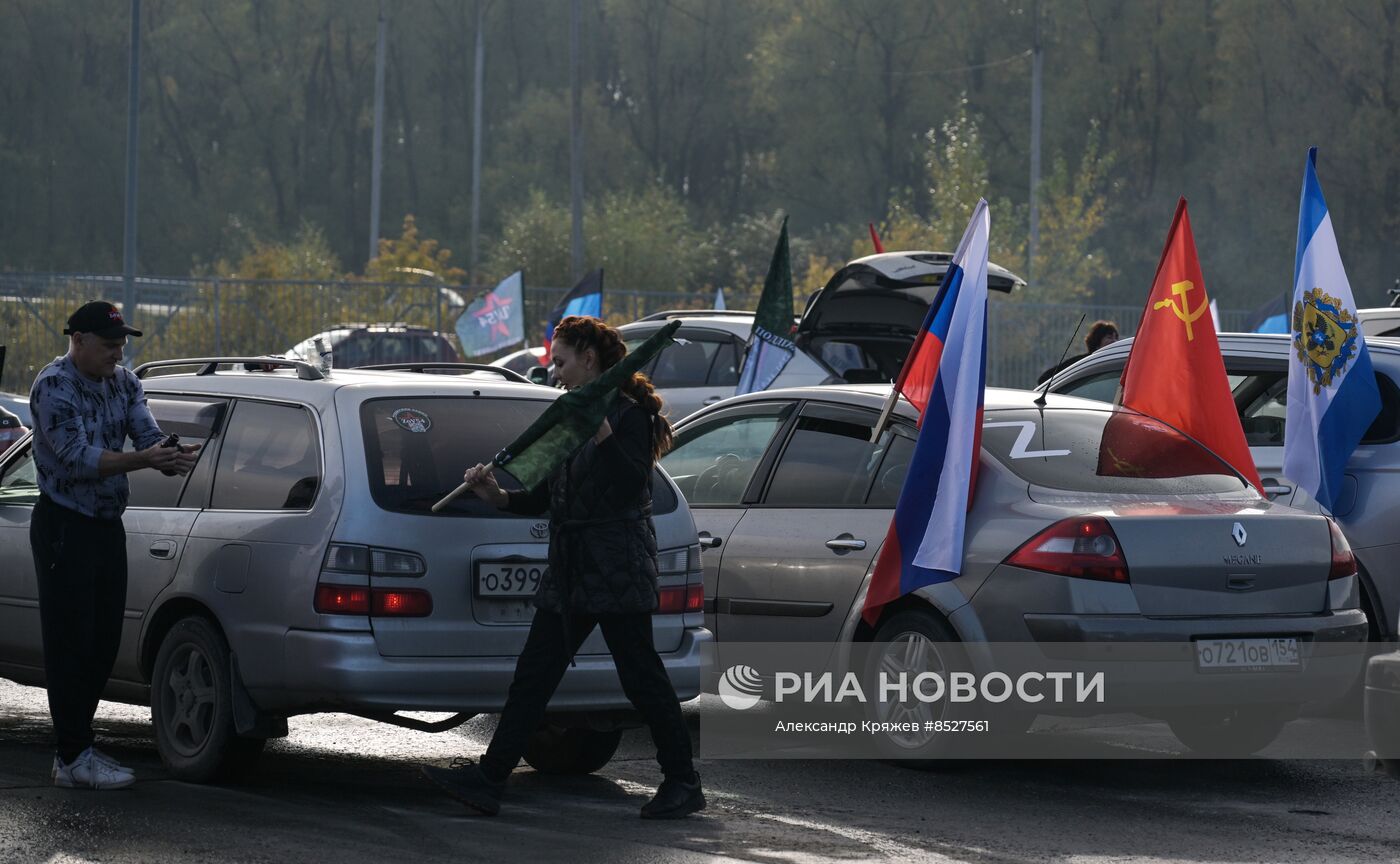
<point x="468" y="785"/>
<point x="675" y="799"/>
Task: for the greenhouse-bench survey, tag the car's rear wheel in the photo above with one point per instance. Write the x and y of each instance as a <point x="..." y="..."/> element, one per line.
<point x="564" y="750"/>
<point x="192" y="706"/>
<point x="913" y="642"/>
<point x="1230" y="731"/>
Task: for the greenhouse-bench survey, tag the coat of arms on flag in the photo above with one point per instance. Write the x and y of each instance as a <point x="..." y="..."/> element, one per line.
<point x="1324" y="336"/>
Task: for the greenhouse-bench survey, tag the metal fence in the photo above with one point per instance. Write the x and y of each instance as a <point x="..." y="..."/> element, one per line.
<point x="198" y="317"/>
<point x="1023" y="339"/>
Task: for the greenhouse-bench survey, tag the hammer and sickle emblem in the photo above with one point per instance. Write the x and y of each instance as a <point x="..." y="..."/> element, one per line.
<point x="1184" y="311"/>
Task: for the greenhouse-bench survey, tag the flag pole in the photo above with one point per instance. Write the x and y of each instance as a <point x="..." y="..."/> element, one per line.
<point x="452" y="496"/>
<point x="885" y="414"/>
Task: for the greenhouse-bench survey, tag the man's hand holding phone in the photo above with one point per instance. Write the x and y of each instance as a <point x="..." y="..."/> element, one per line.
<point x="172" y="458"/>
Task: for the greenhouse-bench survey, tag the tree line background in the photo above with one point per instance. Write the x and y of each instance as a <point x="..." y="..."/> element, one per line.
<point x="705" y="120"/>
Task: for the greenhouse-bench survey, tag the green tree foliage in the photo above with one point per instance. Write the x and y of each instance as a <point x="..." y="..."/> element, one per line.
<point x="307" y="257"/>
<point x="1073" y="205"/>
<point x="260" y="113"/>
<point x="643" y="240"/>
<point x="409" y="258"/>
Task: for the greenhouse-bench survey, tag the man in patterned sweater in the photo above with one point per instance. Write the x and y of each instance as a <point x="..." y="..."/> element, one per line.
<point x="85" y="406"/>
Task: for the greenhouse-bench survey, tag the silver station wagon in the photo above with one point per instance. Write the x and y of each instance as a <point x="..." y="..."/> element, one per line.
<point x="1089" y="525"/>
<point x="299" y="568"/>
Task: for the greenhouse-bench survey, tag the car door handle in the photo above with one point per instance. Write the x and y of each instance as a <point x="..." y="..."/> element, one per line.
<point x="164" y="549"/>
<point x="709" y="541"/>
<point x="1274" y="487"/>
<point x="710" y="400"/>
<point x="845" y="544"/>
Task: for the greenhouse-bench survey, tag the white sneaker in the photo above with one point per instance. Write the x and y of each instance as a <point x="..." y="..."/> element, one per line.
<point x="109" y="761"/>
<point x="87" y="772"/>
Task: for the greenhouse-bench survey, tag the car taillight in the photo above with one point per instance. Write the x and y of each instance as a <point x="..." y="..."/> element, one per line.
<point x="1343" y="559"/>
<point x="1084" y="547"/>
<point x="681" y="598"/>
<point x="347" y="558"/>
<point x="342" y="600"/>
<point x="401" y="603"/>
<point x="376" y="602"/>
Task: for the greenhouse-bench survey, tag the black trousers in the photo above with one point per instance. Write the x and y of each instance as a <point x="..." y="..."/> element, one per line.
<point x="542" y="665"/>
<point x="80" y="563"/>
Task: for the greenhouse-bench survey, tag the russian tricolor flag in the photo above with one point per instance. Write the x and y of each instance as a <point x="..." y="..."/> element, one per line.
<point x="944" y="377"/>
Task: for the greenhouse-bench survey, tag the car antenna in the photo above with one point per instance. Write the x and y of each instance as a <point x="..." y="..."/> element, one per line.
<point x="1040" y="400"/>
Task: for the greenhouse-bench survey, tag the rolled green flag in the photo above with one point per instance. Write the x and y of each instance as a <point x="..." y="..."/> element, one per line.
<point x="574" y="417"/>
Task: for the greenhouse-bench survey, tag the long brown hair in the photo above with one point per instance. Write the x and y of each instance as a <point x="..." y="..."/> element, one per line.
<point x="1098" y="331"/>
<point x="581" y="332"/>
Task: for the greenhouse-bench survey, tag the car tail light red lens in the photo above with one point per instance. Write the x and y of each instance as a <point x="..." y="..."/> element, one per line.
<point x="378" y="602"/>
<point x="681" y="598"/>
<point x="342" y="600"/>
<point x="401" y="603"/>
<point x="695" y="598"/>
<point x="1084" y="547"/>
<point x="1343" y="559"/>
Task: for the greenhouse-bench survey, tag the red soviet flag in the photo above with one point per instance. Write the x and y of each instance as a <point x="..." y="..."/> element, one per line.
<point x="1175" y="372"/>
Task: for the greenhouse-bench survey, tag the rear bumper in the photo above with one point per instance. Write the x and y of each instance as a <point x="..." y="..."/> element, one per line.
<point x="329" y="671"/>
<point x="1150" y="665"/>
<point x="1383" y="705"/>
<point x="1348" y="625"/>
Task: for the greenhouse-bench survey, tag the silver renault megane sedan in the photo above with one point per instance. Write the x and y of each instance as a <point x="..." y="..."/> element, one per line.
<point x="1090" y="525"/>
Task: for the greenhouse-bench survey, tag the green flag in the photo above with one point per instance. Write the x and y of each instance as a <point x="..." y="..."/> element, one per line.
<point x="770" y="347"/>
<point x="574" y="417"/>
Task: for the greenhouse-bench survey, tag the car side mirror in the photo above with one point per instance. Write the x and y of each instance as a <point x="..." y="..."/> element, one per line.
<point x="538" y="375"/>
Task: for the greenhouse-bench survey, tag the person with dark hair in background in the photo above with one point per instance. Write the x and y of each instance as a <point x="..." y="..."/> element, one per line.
<point x="85" y="406"/>
<point x="1101" y="334"/>
<point x="602" y="572"/>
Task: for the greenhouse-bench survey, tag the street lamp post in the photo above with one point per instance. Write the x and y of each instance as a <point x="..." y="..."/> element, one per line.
<point x="133" y="109"/>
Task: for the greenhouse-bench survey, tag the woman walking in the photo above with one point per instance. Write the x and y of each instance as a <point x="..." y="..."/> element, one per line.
<point x="602" y="572"/>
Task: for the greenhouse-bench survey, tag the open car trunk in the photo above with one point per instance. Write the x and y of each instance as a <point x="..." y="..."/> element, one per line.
<point x="861" y="324"/>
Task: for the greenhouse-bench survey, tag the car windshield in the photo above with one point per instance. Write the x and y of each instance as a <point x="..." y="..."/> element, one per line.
<point x="1108" y="452"/>
<point x="417" y="448"/>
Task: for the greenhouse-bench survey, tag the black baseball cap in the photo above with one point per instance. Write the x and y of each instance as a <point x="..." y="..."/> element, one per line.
<point x="101" y="319"/>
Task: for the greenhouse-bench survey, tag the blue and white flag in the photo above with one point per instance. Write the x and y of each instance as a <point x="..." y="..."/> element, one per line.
<point x="1332" y="393"/>
<point x="494" y="321"/>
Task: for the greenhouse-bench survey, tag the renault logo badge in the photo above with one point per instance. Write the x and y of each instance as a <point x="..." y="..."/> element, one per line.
<point x="1239" y="534"/>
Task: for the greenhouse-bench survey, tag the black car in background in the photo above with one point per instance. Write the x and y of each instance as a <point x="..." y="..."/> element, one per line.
<point x="353" y="345"/>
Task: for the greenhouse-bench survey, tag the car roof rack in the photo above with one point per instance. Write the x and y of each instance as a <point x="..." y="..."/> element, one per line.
<point x="668" y="314"/>
<point x="508" y="374"/>
<point x="305" y="371"/>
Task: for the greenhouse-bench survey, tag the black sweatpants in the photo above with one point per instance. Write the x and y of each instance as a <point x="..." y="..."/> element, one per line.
<point x="80" y="563"/>
<point x="542" y="665"/>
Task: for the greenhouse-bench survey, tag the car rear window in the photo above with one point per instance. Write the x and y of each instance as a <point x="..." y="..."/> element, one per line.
<point x="368" y="348"/>
<point x="1113" y="452"/>
<point x="417" y="449"/>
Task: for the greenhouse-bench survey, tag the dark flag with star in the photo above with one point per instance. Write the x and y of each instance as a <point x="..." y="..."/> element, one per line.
<point x="495" y="320"/>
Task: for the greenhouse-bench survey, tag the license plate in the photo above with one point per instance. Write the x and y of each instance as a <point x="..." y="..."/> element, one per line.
<point x="508" y="580"/>
<point x="1246" y="654"/>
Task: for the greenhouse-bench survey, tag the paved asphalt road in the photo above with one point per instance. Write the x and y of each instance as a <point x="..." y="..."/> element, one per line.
<point x="345" y="789"/>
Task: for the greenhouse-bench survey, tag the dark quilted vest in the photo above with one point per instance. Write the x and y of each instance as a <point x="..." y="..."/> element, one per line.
<point x="602" y="544"/>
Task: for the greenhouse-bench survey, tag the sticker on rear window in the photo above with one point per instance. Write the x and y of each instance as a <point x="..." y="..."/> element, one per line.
<point x="1018" y="450"/>
<point x="412" y="420"/>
